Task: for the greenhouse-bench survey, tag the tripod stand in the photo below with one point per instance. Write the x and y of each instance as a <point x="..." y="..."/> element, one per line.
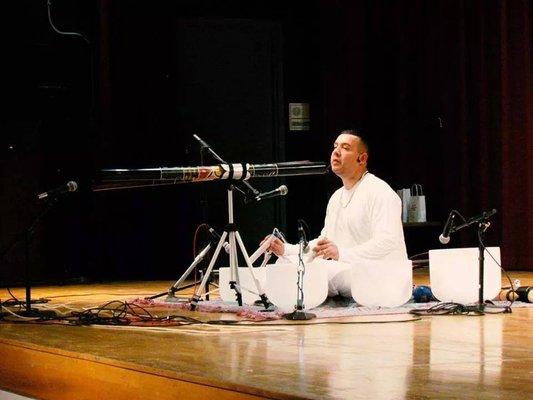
<point x="250" y="193"/>
<point x="262" y="250"/>
<point x="234" y="239"/>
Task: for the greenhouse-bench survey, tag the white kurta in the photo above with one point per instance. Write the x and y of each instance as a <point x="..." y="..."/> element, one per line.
<point x="365" y="223"/>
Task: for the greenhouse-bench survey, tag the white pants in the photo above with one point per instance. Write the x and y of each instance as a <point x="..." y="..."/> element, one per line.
<point x="395" y="279"/>
<point x="339" y="276"/>
<point x="339" y="279"/>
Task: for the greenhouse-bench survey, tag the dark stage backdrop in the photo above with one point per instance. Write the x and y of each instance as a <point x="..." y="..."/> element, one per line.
<point x="442" y="89"/>
<point x="46" y="137"/>
<point x="183" y="74"/>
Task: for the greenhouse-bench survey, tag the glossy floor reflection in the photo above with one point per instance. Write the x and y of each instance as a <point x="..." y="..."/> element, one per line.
<point x="486" y="357"/>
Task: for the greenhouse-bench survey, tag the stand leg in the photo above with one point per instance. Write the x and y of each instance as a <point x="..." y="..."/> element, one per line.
<point x="207" y="289"/>
<point x="196" y="298"/>
<point x="262" y="295"/>
<point x="266" y="260"/>
<point x="176" y="286"/>
<point x="479" y="308"/>
<point x="28" y="274"/>
<point x="261" y="250"/>
<point x="234" y="282"/>
<point x="196" y="261"/>
<point x="481" y="299"/>
<point x="28" y="311"/>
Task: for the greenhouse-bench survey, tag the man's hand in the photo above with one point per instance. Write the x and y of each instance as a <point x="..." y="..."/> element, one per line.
<point x="326" y="249"/>
<point x="276" y="246"/>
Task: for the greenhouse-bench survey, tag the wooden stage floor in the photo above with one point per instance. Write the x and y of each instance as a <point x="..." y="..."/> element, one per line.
<point x="458" y="357"/>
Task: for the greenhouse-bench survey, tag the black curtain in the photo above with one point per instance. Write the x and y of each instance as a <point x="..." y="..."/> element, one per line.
<point x="443" y="90"/>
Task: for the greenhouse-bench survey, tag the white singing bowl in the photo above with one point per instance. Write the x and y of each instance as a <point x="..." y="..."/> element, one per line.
<point x="281" y="288"/>
<point x="246" y="282"/>
<point x="386" y="283"/>
<point x="454" y="274"/>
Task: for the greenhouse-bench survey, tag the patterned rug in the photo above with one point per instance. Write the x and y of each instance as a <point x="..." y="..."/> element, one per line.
<point x="331" y="308"/>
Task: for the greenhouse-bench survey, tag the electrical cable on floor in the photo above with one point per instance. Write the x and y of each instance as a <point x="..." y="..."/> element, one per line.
<point x="121" y="313"/>
<point x="425" y="253"/>
<point x="14" y="314"/>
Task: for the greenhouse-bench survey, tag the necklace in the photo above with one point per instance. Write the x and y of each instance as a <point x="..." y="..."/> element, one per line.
<point x="353" y="191"/>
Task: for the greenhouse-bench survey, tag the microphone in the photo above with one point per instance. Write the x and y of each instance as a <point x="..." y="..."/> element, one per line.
<point x="281" y="191"/>
<point x="444" y="237"/>
<point x="201" y="141"/>
<point x="70" y="186"/>
<point x="301" y="235"/>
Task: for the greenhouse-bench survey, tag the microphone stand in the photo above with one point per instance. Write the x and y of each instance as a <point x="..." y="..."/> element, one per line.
<point x="482" y="224"/>
<point x="27" y="236"/>
<point x="299" y="314"/>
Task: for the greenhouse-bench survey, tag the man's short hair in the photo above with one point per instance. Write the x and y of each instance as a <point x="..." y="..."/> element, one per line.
<point x="362" y="139"/>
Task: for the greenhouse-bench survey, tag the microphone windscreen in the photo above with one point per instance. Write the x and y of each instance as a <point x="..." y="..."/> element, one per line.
<point x="72" y="186"/>
<point x="443" y="239"/>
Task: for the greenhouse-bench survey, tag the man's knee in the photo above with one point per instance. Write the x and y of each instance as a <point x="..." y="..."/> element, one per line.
<point x="339" y="279"/>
